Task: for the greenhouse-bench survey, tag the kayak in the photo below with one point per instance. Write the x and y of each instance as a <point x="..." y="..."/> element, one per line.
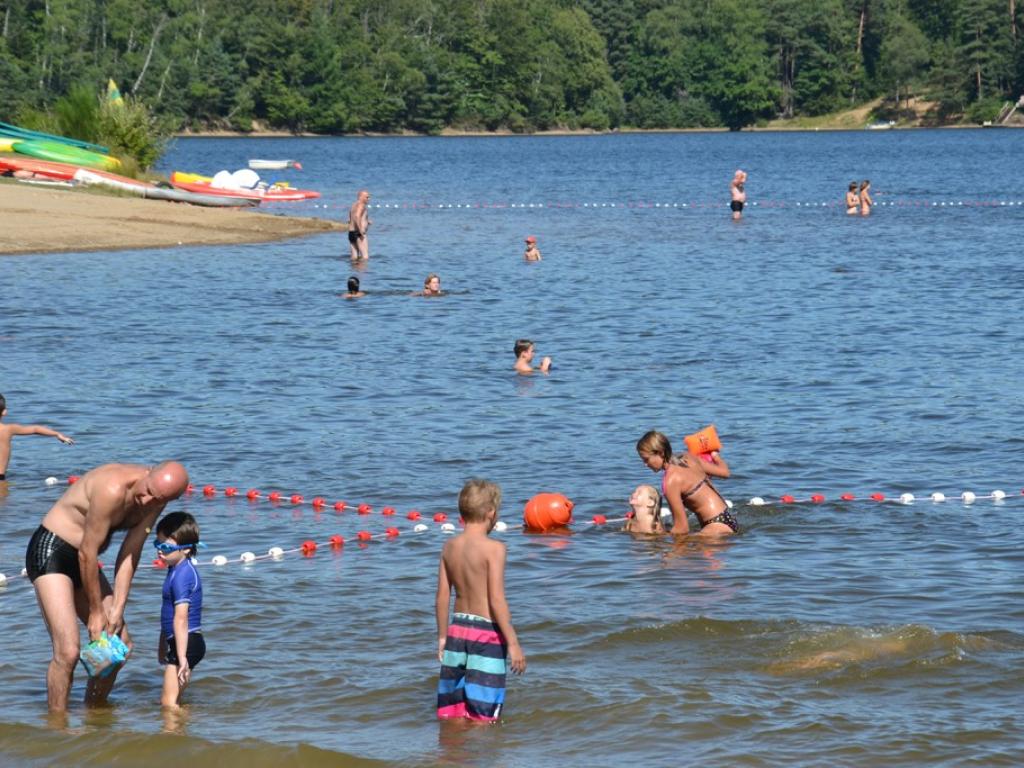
<point x="275" y="165"/>
<point x="7" y="145"/>
<point x="12" y="131"/>
<point x="153" y="192"/>
<point x="60" y="153"/>
<point x="59" y="171"/>
<point x="271" y="194"/>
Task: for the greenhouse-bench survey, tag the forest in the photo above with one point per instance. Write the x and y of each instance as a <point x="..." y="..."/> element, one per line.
<point x="338" y="67"/>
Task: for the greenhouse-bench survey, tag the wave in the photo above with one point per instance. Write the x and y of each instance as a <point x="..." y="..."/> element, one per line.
<point x="25" y="746"/>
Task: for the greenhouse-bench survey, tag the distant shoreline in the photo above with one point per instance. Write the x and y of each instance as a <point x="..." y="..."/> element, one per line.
<point x="452" y="133"/>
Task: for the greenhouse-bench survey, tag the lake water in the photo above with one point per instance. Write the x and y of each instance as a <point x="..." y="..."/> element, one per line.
<point x="833" y="354"/>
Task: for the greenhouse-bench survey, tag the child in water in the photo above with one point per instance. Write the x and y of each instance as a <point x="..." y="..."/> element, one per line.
<point x="182" y="646"/>
<point x="646" y="505"/>
<point x="532" y="252"/>
<point x="353" y="289"/>
<point x="524" y="358"/>
<point x="473" y="647"/>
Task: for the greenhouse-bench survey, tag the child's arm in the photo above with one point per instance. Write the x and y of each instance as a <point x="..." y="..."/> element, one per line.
<point x="39" y="429"/>
<point x="499" y="607"/>
<point x="444" y="596"/>
<point x="717" y="467"/>
<point x="181" y="642"/>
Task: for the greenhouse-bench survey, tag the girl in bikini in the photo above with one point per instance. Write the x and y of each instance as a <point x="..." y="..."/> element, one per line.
<point x="686" y="486"/>
<point x="852" y="199"/>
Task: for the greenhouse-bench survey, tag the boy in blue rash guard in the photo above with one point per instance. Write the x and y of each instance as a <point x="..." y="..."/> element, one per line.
<point x="182" y="645"/>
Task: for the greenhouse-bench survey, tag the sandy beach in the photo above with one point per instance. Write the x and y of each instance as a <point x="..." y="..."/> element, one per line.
<point x="41" y="219"/>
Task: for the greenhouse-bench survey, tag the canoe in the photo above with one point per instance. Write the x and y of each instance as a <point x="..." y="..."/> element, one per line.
<point x="13" y="131"/>
<point x="7" y="145"/>
<point x="60" y="153"/>
<point x="274" y="165"/>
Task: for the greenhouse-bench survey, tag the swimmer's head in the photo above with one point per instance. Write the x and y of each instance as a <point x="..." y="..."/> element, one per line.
<point x="522" y="345"/>
<point x="363" y="195"/>
<point x="655" y="450"/>
<point x="864" y="185"/>
<point x="646" y="504"/>
<point x="531" y="240"/>
<point x="181" y="527"/>
<point x="853" y="186"/>
<point x="432" y="283"/>
<point x="478" y="499"/>
<point x="353" y="285"/>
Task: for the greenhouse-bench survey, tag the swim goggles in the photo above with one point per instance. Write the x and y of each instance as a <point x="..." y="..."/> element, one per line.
<point x="165" y="548"/>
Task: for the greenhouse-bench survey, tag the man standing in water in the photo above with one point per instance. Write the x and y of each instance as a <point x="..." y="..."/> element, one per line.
<point x="62" y="561"/>
<point x="738" y="194"/>
<point x="358" y="224"/>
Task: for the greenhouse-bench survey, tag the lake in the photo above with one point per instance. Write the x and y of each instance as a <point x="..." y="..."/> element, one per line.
<point x="834" y="354"/>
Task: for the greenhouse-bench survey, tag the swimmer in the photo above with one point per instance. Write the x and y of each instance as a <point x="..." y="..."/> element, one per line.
<point x="738" y="194"/>
<point x="852" y="199"/>
<point x="646" y="505"/>
<point x="358" y="226"/>
<point x="686" y="486"/>
<point x="865" y="198"/>
<point x="532" y="252"/>
<point x="353" y="289"/>
<point x="524" y="357"/>
<point x="10" y="431"/>
<point x="431" y="286"/>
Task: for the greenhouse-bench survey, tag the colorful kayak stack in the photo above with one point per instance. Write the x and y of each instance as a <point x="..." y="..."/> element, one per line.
<point x="58" y="149"/>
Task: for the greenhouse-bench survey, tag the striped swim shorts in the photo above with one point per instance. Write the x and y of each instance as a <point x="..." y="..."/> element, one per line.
<point x="472" y="681"/>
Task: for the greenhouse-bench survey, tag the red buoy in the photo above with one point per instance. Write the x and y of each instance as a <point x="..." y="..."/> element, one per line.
<point x="848" y="497"/>
<point x="600" y="519"/>
<point x="413" y="515"/>
<point x="364" y="535"/>
<point x="318" y="502"/>
<point x="878" y="496"/>
<point x="817" y="498"/>
<point x="339" y="506"/>
<point x="546" y="511"/>
<point x="209" y="490"/>
<point x="308" y="547"/>
<point x="391" y="532"/>
<point x="296" y="498"/>
<point x="274" y="495"/>
<point x="337" y="541"/>
<point x="787" y="499"/>
<point x="72" y="479"/>
<point x="440" y="517"/>
<point x="364" y="509"/>
<point x="230" y="491"/>
<point x="387" y="511"/>
<point x="252" y="494"/>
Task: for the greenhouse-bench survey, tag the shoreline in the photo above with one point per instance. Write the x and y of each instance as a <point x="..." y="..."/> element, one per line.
<point x="59" y="220"/>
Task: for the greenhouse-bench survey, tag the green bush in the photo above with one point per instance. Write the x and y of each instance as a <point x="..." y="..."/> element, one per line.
<point x="131" y="131"/>
<point x="984" y="110"/>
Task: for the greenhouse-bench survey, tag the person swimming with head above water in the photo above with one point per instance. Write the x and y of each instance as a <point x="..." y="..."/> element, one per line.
<point x="646" y="511"/>
<point x="686" y="486"/>
<point x="353" y="289"/>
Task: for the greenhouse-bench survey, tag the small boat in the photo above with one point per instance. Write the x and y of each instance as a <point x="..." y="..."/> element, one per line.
<point x="275" y="165"/>
<point x="193" y="182"/>
<point x="882" y="126"/>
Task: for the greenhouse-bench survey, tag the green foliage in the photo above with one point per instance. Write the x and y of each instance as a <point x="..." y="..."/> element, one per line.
<point x="132" y="132"/>
<point x="423" y="65"/>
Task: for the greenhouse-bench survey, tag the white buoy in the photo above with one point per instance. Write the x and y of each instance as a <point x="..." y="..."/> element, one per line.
<point x="938" y="496"/>
<point x="998" y="495"/>
<point x="447" y="527"/>
<point x="501" y="525"/>
<point x="757" y="501"/>
<point x="219" y="560"/>
<point x="420" y="528"/>
<point x="968" y="497"/>
<point x="247" y="557"/>
<point x="51" y="481"/>
<point x="728" y="503"/>
<point x="906" y="498"/>
<point x="665" y="511"/>
<point x="3" y="580"/>
<point x="276" y="552"/>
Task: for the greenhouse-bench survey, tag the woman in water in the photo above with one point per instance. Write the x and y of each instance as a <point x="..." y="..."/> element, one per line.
<point x="431" y="286"/>
<point x="852" y="199"/>
<point x="686" y="486"/>
<point x="865" y="198"/>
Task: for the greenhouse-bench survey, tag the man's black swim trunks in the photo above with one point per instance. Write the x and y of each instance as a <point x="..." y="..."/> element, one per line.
<point x="49" y="553"/>
<point x="736" y="205"/>
<point x="353" y="237"/>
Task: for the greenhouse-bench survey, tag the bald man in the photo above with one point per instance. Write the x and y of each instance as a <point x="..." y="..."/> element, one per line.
<point x="62" y="561"/>
<point x="358" y="226"/>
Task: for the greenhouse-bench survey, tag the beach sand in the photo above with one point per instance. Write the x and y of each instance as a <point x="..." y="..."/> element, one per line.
<point x="49" y="219"/>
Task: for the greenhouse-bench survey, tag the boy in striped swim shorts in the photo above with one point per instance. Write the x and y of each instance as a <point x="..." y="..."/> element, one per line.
<point x="472" y="648"/>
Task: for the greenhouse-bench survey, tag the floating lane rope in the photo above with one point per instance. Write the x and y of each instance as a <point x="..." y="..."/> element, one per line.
<point x="672" y="206"/>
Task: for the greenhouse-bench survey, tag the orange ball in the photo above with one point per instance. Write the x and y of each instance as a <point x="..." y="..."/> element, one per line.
<point x="546" y="511"/>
